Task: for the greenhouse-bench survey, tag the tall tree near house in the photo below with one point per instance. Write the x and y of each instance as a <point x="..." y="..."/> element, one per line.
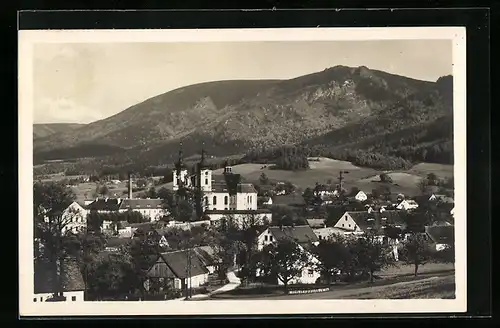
<point x="284" y="260"/>
<point x="416" y="251"/>
<point x="86" y="248"/>
<point x="249" y="234"/>
<point x="308" y="196"/>
<point x="263" y="179"/>
<point x="422" y="186"/>
<point x="371" y="255"/>
<point x="142" y="250"/>
<point x="49" y="202"/>
<point x="432" y="179"/>
<point x="333" y="257"/>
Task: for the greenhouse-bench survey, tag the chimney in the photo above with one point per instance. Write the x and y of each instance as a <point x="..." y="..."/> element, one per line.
<point x="129" y="186"/>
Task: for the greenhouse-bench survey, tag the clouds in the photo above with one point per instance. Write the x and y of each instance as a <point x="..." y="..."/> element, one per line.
<point x="99" y="80"/>
<point x="64" y="110"/>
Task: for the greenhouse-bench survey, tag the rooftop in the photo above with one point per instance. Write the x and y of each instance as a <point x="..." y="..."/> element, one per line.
<point x="299" y="234"/>
<point x="141" y="203"/>
<point x="178" y="262"/>
<point x="442" y="234"/>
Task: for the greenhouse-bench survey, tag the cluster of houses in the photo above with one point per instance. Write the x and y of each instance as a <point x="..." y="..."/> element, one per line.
<point x="230" y="198"/>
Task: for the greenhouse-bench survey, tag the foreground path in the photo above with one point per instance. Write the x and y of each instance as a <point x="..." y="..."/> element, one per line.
<point x="233" y="283"/>
<point x="371" y="292"/>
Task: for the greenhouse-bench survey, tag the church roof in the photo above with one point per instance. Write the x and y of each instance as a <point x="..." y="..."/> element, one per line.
<point x="241" y="188"/>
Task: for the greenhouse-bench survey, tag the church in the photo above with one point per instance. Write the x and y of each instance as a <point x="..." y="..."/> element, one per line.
<point x="218" y="200"/>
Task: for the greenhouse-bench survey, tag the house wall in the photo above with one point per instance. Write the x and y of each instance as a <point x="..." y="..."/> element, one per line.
<point x="183" y="176"/>
<point x="194" y="282"/>
<point x="346" y="222"/>
<point x="240" y="201"/>
<point x="361" y="196"/>
<point x="76" y="218"/>
<point x="73" y="296"/>
<point x="240" y="219"/>
<point x="308" y="276"/>
<point x="265" y="239"/>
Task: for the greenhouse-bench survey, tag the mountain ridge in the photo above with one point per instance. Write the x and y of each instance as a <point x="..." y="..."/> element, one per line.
<point x="235" y="116"/>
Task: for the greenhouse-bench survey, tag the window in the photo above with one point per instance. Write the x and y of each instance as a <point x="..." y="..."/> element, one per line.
<point x="73" y="298"/>
<point x="342" y="224"/>
<point x="41" y="299"/>
<point x="225" y="208"/>
<point x="34" y="300"/>
<point x="270" y="238"/>
<point x="265" y="238"/>
<point x="346" y="218"/>
<point x="320" y="237"/>
<point x="214" y="201"/>
<point x="206" y="172"/>
<point x="206" y="181"/>
<point x="310" y="272"/>
<point x="225" y="200"/>
<point x="349" y="225"/>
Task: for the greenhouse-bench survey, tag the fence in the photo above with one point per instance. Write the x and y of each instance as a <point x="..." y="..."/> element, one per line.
<point x="309" y="291"/>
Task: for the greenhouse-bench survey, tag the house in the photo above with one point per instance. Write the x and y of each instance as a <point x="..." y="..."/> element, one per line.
<point x="104" y="205"/>
<point x="207" y="257"/>
<point x="73" y="287"/>
<point x="114" y="244"/>
<point x="267" y="201"/>
<point x="153" y="209"/>
<point x="407" y="204"/>
<point x="327" y="232"/>
<point x="74" y="218"/>
<point x="179" y="269"/>
<point x="316" y="223"/>
<point x="441" y="236"/>
<point x="361" y="222"/>
<point x="442" y="198"/>
<point x="361" y="196"/>
<point x="303" y="235"/>
<point x="322" y="190"/>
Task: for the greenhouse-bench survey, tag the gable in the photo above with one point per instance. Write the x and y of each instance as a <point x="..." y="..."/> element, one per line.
<point x="346" y="222"/>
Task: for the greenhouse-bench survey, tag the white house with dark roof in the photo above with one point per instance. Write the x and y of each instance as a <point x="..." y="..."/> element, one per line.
<point x="73" y="287"/>
<point x="305" y="238"/>
<point x="149" y="208"/>
<point x="361" y="196"/>
<point x="242" y="218"/>
<point x="179" y="269"/>
<point x="407" y="204"/>
<point x="74" y="218"/>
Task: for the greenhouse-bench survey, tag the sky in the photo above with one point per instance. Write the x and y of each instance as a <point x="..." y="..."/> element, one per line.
<point x="81" y="83"/>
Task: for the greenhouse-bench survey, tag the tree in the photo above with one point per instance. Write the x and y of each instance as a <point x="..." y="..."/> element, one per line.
<point x="308" y="196"/>
<point x="151" y="193"/>
<point x="50" y="200"/>
<point x="263" y="179"/>
<point x="371" y="255"/>
<point x="284" y="260"/>
<point x="385" y="178"/>
<point x="416" y="251"/>
<point x="422" y="186"/>
<point x="432" y="179"/>
<point x="102" y="190"/>
<point x="333" y="257"/>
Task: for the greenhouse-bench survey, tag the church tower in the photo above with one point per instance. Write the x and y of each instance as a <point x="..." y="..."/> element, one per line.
<point x="205" y="173"/>
<point x="180" y="173"/>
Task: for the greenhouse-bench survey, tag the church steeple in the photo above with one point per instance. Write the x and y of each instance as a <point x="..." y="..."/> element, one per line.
<point x="180" y="161"/>
<point x="203" y="163"/>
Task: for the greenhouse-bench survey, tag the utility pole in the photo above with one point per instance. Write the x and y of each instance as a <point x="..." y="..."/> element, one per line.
<point x="341" y="178"/>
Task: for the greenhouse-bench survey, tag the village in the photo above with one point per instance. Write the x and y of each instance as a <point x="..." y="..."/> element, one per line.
<point x="217" y="236"/>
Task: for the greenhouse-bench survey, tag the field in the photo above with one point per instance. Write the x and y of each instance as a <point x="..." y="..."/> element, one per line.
<point x="321" y="171"/>
<point x="434" y="281"/>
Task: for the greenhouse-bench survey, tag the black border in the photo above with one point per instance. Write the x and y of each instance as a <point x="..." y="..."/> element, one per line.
<point x="478" y="100"/>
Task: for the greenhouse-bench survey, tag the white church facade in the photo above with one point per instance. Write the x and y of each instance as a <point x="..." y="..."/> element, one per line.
<point x="218" y="199"/>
